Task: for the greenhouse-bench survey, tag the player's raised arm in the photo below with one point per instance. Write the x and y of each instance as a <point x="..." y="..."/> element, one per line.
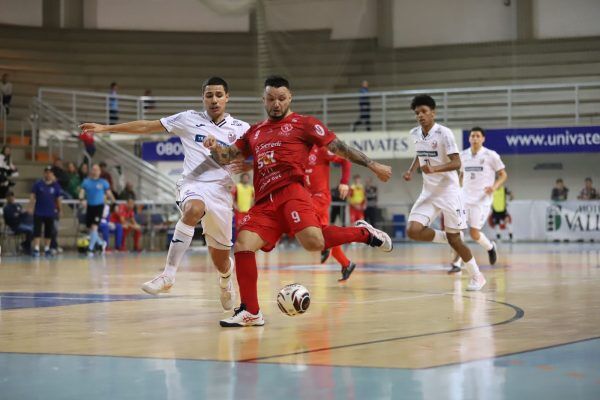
<point x="337" y="146"/>
<point x="134" y="127"/>
<point x="223" y="155"/>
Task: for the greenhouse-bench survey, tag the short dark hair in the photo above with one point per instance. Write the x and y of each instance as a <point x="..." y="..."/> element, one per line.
<point x="478" y="129"/>
<point x="113" y="84"/>
<point x="559" y="180"/>
<point x="588" y="179"/>
<point x="215" y="80"/>
<point x="422" y="100"/>
<point x="277" y="81"/>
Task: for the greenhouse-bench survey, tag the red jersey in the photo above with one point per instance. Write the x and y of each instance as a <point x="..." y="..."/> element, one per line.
<point x="122" y="212"/>
<point x="280" y="150"/>
<point x="317" y="171"/>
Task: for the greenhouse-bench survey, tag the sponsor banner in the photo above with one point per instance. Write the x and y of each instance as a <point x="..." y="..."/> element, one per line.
<point x="576" y="139"/>
<point x="387" y="145"/>
<point x="167" y="150"/>
<point x="543" y="220"/>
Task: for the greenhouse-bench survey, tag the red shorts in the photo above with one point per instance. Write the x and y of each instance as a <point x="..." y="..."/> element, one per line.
<point x="321" y="204"/>
<point x="286" y="210"/>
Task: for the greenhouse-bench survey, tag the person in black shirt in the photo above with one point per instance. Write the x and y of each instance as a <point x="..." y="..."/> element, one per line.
<point x="18" y="220"/>
<point x="371" y="212"/>
<point x="560" y="191"/>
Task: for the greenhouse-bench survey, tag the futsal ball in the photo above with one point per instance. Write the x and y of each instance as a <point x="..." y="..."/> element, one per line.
<point x="293" y="299"/>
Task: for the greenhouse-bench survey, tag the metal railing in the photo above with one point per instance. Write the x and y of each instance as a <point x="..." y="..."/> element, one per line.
<point x="492" y="106"/>
<point x="56" y="129"/>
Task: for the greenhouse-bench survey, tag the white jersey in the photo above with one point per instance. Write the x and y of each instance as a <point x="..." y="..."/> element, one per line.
<point x="193" y="127"/>
<point x="479" y="172"/>
<point x="434" y="149"/>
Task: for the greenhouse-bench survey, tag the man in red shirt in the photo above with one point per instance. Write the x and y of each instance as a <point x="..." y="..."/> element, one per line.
<point x="125" y="216"/>
<point x="317" y="183"/>
<point x="280" y="148"/>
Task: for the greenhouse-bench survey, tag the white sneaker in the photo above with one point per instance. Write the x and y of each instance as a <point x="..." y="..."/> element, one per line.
<point x="226" y="285"/>
<point x="104" y="245"/>
<point x="241" y="317"/>
<point x="476" y="283"/>
<point x="379" y="238"/>
<point x="161" y="284"/>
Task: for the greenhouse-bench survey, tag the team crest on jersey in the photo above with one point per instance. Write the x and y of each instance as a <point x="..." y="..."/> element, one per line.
<point x="434" y="145"/>
<point x="320" y="131"/>
<point x="286" y="129"/>
<point x="231" y="137"/>
<point x="481" y="161"/>
<point x="312" y="159"/>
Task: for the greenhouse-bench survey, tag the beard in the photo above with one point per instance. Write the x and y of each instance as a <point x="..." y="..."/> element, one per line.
<point x="278" y="117"/>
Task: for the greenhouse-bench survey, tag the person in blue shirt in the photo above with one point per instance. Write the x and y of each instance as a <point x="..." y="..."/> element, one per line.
<point x="92" y="194"/>
<point x="364" y="107"/>
<point x="45" y="201"/>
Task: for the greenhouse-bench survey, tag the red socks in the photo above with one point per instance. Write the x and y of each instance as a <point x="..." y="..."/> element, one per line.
<point x="247" y="277"/>
<point x="339" y="255"/>
<point x="337" y="235"/>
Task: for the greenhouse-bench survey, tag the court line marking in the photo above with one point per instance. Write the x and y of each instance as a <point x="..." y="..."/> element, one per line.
<point x="519" y="313"/>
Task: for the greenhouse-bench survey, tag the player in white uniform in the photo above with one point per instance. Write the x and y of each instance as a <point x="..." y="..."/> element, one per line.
<point x="438" y="158"/>
<point x="204" y="192"/>
<point x="482" y="172"/>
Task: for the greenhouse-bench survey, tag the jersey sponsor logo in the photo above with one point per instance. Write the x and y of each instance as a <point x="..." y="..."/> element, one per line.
<point x="235" y="122"/>
<point x="265" y="146"/>
<point x="200" y="125"/>
<point x="200" y="139"/>
<point x="473" y="169"/>
<point x="319" y="129"/>
<point x="256" y="134"/>
<point x="245" y="219"/>
<point x="427" y="153"/>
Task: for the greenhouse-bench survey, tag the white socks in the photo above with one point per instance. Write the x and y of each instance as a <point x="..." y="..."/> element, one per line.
<point x="472" y="267"/>
<point x="485" y="242"/>
<point x="439" y="237"/>
<point x="179" y="244"/>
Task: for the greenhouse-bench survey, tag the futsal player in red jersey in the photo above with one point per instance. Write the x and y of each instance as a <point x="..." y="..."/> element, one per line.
<point x="280" y="147"/>
<point x="317" y="183"/>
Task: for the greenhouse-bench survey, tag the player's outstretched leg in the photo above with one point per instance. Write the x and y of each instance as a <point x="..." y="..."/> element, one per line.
<point x="484" y="242"/>
<point x="363" y="232"/>
<point x="163" y="282"/>
<point x="248" y="313"/>
<point x="347" y="265"/>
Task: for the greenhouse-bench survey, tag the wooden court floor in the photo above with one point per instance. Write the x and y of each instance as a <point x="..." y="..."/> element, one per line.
<point x="398" y="311"/>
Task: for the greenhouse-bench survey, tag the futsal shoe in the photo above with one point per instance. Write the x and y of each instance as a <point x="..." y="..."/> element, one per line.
<point x="379" y="238"/>
<point x="226" y="285"/>
<point x="325" y="255"/>
<point x="161" y="284"/>
<point x="346" y="272"/>
<point x="492" y="254"/>
<point x="476" y="283"/>
<point x="241" y="317"/>
<point x="454" y="269"/>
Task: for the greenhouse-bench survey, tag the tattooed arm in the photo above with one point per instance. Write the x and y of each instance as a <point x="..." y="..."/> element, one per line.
<point x="223" y="155"/>
<point x="337" y="146"/>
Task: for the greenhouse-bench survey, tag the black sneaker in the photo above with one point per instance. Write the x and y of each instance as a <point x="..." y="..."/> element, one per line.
<point x="454" y="269"/>
<point x="346" y="272"/>
<point x="325" y="255"/>
<point x="492" y="254"/>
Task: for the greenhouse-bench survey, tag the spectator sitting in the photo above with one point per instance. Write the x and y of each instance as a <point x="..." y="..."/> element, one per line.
<point x="19" y="221"/>
<point x="74" y="180"/>
<point x="7" y="170"/>
<point x="61" y="176"/>
<point x="84" y="171"/>
<point x="6" y="91"/>
<point x="126" y="217"/>
<point x="45" y="201"/>
<point x="128" y="192"/>
<point x="107" y="226"/>
<point x="559" y="192"/>
<point x="588" y="192"/>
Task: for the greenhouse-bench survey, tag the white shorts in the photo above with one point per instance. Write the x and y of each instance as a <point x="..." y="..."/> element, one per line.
<point x="429" y="205"/>
<point x="477" y="214"/>
<point x="217" y="222"/>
